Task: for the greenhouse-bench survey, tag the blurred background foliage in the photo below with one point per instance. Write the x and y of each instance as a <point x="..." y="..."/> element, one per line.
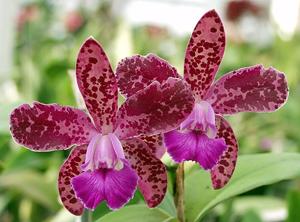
<point x="46" y="42"/>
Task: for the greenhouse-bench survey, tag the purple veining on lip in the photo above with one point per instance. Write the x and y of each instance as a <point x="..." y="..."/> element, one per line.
<point x="115" y="186"/>
<point x="195" y="146"/>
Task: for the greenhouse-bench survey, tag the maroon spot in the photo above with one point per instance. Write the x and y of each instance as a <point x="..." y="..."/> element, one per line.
<point x="213" y="29"/>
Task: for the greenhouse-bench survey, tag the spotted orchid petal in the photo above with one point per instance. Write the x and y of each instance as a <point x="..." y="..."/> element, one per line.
<point x="151" y="171"/>
<point x="192" y="145"/>
<point x="155" y="144"/>
<point x="204" y="53"/>
<point x="116" y="187"/>
<point x="156" y="109"/>
<point x="251" y="89"/>
<point x="97" y="84"/>
<point x="70" y="169"/>
<point x="136" y="72"/>
<point x="223" y="170"/>
<point x="51" y="127"/>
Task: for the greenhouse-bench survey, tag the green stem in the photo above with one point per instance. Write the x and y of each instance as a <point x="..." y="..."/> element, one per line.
<point x="87" y="216"/>
<point x="179" y="198"/>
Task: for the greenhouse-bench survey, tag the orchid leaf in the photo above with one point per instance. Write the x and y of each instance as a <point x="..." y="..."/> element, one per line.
<point x="257" y="203"/>
<point x="4" y="116"/>
<point x="172" y="220"/>
<point x="252" y="171"/>
<point x="3" y="202"/>
<point x="293" y="199"/>
<point x="32" y="185"/>
<point x="251" y="216"/>
<point x="168" y="204"/>
<point x="136" y="213"/>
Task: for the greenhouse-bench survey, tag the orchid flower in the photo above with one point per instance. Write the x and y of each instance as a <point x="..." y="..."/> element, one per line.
<point x="109" y="160"/>
<point x="205" y="136"/>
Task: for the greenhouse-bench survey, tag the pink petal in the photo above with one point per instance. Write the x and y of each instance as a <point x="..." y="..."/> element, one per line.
<point x="97" y="84"/>
<point x="251" y="89"/>
<point x="117" y="187"/>
<point x="156" y="109"/>
<point x="222" y="172"/>
<point x="89" y="188"/>
<point x="204" y="53"/>
<point x="51" y="127"/>
<point x="68" y="170"/>
<point x="180" y="145"/>
<point x="120" y="186"/>
<point x="195" y="146"/>
<point x="136" y="72"/>
<point x="151" y="171"/>
<point x="210" y="151"/>
<point x="155" y="145"/>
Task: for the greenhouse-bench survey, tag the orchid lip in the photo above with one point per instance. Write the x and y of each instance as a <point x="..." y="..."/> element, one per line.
<point x="104" y="151"/>
<point x="202" y="119"/>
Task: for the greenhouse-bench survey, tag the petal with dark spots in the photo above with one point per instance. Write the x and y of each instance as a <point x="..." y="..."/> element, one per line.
<point x="70" y="169"/>
<point x="97" y="84"/>
<point x="151" y="171"/>
<point x="136" y="72"/>
<point x="250" y="89"/>
<point x="155" y="144"/>
<point x="50" y="127"/>
<point x="204" y="53"/>
<point x="222" y="172"/>
<point x="156" y="109"/>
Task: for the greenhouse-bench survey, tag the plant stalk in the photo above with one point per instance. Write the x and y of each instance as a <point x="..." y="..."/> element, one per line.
<point x="86" y="216"/>
<point x="179" y="196"/>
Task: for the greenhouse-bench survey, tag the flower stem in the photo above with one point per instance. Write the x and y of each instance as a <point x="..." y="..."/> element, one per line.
<point x="179" y="197"/>
<point x="86" y="216"/>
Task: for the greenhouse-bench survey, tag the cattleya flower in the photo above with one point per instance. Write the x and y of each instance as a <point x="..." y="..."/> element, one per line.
<point x="205" y="136"/>
<point x="109" y="160"/>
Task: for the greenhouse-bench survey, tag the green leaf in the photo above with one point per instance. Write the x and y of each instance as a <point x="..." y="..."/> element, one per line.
<point x="251" y="216"/>
<point x="3" y="202"/>
<point x="168" y="205"/>
<point x="257" y="203"/>
<point x="293" y="206"/>
<point x="252" y="171"/>
<point x="4" y="116"/>
<point x="171" y="220"/>
<point x="32" y="185"/>
<point x="136" y="213"/>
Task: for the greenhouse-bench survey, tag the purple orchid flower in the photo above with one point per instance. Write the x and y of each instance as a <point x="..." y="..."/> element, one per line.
<point x="110" y="161"/>
<point x="205" y="136"/>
